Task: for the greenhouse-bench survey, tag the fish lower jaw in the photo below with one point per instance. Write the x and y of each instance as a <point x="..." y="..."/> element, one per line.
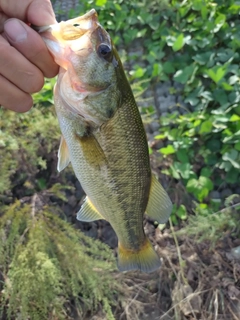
<point x="85" y="88"/>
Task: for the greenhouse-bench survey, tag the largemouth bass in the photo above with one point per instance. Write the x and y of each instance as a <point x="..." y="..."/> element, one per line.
<point x="104" y="139"/>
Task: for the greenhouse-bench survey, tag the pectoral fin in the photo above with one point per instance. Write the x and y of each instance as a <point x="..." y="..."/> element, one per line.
<point x="159" y="205"/>
<point x="63" y="155"/>
<point x="93" y="153"/>
<point x="88" y="212"/>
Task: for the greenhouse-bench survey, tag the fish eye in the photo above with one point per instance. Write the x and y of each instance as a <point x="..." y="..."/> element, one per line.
<point x="105" y="52"/>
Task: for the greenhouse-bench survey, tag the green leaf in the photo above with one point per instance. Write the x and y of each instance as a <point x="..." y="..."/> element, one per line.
<point x="182" y="155"/>
<point x="206" y="182"/>
<point x="232" y="156"/>
<point x="160" y="136"/>
<point x="219" y="22"/>
<point x="216" y="74"/>
<point x="202" y="58"/>
<point x="206" y="172"/>
<point x="232" y="176"/>
<point x="233" y="79"/>
<point x="167" y="150"/>
<point x="157" y="69"/>
<point x="206" y="127"/>
<point x="42" y="184"/>
<point x="237" y="146"/>
<point x="207" y="95"/>
<point x="184" y="75"/>
<point x="234" y="97"/>
<point x="192" y="185"/>
<point x="220" y="96"/>
<point x="214" y="145"/>
<point x="138" y="73"/>
<point x="175" y="173"/>
<point x="234" y="118"/>
<point x="234" y="8"/>
<point x="182" y="212"/>
<point x="117" y="6"/>
<point x="101" y="3"/>
<point x="168" y="67"/>
<point x="197" y="123"/>
<point x="185" y="169"/>
<point x="226" y="86"/>
<point x="200" y="188"/>
<point x="179" y="42"/>
<point x="174" y="219"/>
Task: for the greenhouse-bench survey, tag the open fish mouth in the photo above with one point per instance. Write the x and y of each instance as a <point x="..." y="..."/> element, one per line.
<point x="88" y="21"/>
<point x="74" y="34"/>
<point x="73" y="37"/>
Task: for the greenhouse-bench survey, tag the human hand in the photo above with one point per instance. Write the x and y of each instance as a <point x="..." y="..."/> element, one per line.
<point x="24" y="58"/>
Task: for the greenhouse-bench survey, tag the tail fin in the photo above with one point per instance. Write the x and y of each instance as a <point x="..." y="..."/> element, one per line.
<point x="145" y="259"/>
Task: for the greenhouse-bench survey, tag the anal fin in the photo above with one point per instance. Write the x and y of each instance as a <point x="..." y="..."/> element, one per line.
<point x="63" y="155"/>
<point x="88" y="212"/>
<point x="159" y="205"/>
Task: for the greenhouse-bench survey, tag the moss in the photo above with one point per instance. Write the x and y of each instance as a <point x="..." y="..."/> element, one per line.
<point x="26" y="142"/>
<point x="47" y="263"/>
<point x="48" y="269"/>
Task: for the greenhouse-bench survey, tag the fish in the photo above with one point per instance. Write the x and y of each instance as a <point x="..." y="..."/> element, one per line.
<point x="103" y="138"/>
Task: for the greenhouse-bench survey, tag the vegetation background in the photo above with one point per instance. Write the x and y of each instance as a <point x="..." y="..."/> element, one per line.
<point x="49" y="266"/>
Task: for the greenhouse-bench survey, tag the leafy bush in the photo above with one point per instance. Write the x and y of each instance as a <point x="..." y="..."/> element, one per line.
<point x="202" y="48"/>
<point x="194" y="45"/>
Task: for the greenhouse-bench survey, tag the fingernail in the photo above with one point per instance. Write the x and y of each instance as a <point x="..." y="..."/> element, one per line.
<point x="15" y="30"/>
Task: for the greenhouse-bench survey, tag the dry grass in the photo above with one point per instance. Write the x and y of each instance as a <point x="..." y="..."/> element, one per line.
<point x="196" y="281"/>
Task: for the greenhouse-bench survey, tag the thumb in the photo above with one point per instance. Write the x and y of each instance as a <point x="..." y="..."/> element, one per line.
<point x="40" y="13"/>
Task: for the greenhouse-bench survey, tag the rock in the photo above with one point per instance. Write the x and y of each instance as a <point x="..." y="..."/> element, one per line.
<point x="79" y="193"/>
<point x="68" y="210"/>
<point x="237" y="190"/>
<point x="215" y="195"/>
<point x="72" y="201"/>
<point x="155" y="126"/>
<point x="150" y="136"/>
<point x="226" y="193"/>
<point x="92" y="232"/>
<point x="62" y="8"/>
<point x="236" y="252"/>
<point x="109" y="236"/>
<point x="155" y="133"/>
<point x="165" y="114"/>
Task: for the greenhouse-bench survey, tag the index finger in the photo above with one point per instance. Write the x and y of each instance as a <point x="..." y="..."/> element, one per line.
<point x="31" y="46"/>
<point x="37" y="12"/>
<point x="3" y="18"/>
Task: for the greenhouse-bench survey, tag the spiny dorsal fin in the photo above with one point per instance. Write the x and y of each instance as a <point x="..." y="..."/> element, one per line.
<point x="63" y="155"/>
<point x="159" y="205"/>
<point x="88" y="212"/>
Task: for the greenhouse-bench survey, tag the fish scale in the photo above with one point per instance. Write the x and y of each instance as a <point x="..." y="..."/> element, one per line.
<point x="104" y="139"/>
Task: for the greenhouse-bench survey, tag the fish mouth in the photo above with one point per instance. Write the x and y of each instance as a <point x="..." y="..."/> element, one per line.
<point x="71" y="37"/>
<point x="85" y="22"/>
